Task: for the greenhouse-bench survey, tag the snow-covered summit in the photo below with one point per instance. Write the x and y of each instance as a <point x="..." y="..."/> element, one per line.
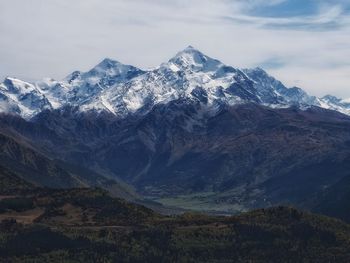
<point x="80" y="88"/>
<point x="108" y="72"/>
<point x="189" y="74"/>
<point x="193" y="59"/>
<point x="124" y="89"/>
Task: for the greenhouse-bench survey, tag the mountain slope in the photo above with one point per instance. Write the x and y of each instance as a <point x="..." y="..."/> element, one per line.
<point x="333" y="201"/>
<point x="181" y="153"/>
<point x="19" y="158"/>
<point x="10" y="183"/>
<point x="334" y="103"/>
<point x="22" y="159"/>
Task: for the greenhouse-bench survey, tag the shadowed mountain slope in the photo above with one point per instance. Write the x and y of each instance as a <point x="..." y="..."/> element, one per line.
<point x="233" y="159"/>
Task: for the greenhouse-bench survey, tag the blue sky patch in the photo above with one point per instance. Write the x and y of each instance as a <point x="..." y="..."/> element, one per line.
<point x="289" y="8"/>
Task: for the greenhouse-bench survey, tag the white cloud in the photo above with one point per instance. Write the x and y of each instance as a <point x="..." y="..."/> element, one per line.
<point x="54" y="37"/>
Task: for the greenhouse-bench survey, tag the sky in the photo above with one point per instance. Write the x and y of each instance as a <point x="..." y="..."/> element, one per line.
<point x="304" y="43"/>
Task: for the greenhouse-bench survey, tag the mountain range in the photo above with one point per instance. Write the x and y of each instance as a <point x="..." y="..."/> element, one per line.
<point x="123" y="90"/>
<point x="193" y="133"/>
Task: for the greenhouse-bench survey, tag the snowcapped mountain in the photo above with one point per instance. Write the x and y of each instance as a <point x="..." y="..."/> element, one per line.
<point x="189" y="74"/>
<point x="22" y="98"/>
<point x="122" y="89"/>
<point x="81" y="88"/>
<point x="334" y="103"/>
<point x="273" y="91"/>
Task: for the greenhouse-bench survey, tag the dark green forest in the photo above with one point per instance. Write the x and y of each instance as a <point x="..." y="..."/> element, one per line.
<point x="87" y="225"/>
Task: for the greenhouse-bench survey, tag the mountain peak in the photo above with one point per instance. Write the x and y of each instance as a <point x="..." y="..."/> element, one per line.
<point x="108" y="63"/>
<point x="17" y="85"/>
<point x="111" y="68"/>
<point x="189" y="51"/>
<point x="331" y="98"/>
<point x="192" y="58"/>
